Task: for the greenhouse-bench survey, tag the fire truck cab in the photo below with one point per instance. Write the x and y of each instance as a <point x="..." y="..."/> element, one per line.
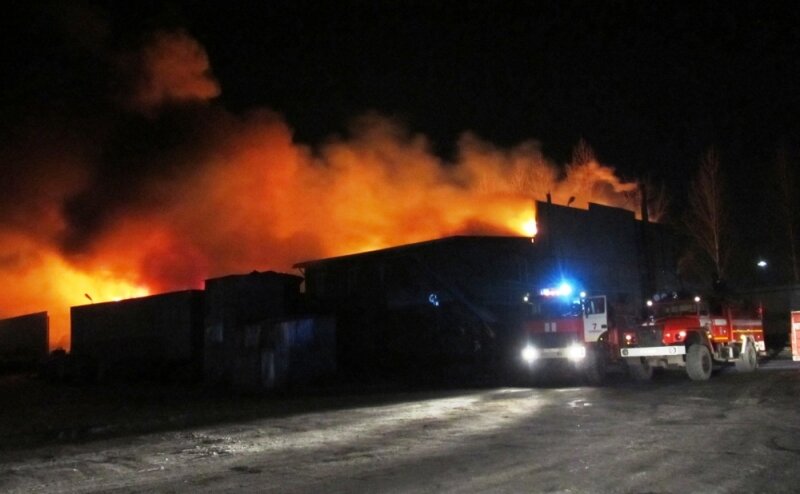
<point x="694" y="335"/>
<point x="566" y="330"/>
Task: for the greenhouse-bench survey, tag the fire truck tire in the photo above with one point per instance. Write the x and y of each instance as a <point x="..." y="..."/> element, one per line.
<point x="639" y="369"/>
<point x="748" y="360"/>
<point x="698" y="362"/>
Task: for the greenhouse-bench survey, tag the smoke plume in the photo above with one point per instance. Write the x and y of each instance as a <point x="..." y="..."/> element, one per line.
<point x="167" y="188"/>
<point x="171" y="68"/>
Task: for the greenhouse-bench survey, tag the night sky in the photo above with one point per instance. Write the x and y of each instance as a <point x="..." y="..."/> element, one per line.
<point x="649" y="85"/>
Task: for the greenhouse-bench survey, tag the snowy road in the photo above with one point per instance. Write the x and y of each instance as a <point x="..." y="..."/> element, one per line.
<point x="735" y="433"/>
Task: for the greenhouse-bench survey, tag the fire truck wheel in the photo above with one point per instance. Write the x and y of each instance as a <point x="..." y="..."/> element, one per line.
<point x="639" y="369"/>
<point x="698" y="362"/>
<point x="748" y="360"/>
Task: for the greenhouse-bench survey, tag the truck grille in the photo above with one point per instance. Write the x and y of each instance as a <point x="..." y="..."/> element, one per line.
<point x="553" y="340"/>
<point x="650" y="336"/>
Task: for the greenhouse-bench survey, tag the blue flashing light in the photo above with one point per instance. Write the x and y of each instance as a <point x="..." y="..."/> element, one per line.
<point x="562" y="290"/>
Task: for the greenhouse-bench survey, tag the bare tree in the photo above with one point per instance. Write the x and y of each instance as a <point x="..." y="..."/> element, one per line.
<point x="706" y="219"/>
<point x="582" y="153"/>
<point x="786" y="196"/>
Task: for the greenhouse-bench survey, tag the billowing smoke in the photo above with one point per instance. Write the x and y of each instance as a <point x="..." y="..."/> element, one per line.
<point x="166" y="188"/>
<point x="171" y="68"/>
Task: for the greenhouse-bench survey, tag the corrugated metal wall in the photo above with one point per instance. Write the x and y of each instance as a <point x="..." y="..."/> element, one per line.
<point x="232" y="304"/>
<point x="274" y="355"/>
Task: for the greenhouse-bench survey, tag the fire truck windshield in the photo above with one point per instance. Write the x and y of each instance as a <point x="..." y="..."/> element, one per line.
<point x="547" y="307"/>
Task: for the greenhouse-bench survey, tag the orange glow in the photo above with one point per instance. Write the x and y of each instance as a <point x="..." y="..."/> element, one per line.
<point x="221" y="193"/>
<point x="217" y="193"/>
<point x="529" y="228"/>
<point x="258" y="200"/>
<point x="41" y="279"/>
<point x="261" y="201"/>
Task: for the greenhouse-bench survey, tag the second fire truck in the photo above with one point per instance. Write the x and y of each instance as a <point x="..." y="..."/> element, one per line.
<point x="695" y="336"/>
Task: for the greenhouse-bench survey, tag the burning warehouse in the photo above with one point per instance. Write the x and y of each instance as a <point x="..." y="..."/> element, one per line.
<point x="174" y="176"/>
<point x="243" y="331"/>
<point x="454" y="301"/>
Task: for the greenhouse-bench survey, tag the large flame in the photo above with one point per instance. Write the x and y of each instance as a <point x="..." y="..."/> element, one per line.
<point x="235" y="193"/>
<point x="36" y="278"/>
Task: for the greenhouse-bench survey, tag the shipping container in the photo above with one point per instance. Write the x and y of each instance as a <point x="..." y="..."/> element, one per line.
<point x="159" y="336"/>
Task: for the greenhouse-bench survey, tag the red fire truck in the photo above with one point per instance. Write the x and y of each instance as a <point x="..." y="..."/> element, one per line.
<point x="565" y="330"/>
<point x="694" y="335"/>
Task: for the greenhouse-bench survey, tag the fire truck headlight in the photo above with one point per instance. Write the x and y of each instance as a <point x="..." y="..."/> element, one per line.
<point x="530" y="353"/>
<point x="576" y="351"/>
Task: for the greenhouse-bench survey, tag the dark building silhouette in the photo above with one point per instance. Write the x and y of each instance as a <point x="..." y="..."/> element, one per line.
<point x="607" y="251"/>
<point x="24" y="340"/>
<point x="419" y="310"/>
<point x="232" y="304"/>
<point x="776" y="303"/>
<point x="457" y="301"/>
<point x="155" y="336"/>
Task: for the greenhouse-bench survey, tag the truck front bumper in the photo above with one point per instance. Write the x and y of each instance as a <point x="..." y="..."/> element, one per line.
<point x="574" y="352"/>
<point x="653" y="351"/>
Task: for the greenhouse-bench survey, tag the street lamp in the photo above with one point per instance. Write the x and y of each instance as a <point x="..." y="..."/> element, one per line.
<point x="762" y="271"/>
